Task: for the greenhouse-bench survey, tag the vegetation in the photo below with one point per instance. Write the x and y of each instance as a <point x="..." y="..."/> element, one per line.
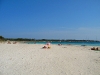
<point x="39" y="40"/>
<point x="19" y="39"/>
<point x="2" y="38"/>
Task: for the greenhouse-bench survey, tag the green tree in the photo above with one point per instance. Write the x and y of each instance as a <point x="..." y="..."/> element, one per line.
<point x="1" y="38"/>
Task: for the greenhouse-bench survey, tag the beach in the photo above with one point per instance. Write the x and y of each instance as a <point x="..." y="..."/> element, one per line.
<point x="31" y="59"/>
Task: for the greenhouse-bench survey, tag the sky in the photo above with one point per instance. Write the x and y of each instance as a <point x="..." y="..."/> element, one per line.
<point x="50" y="19"/>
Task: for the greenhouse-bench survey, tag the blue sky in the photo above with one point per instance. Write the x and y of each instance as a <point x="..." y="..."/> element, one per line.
<point x="50" y="19"/>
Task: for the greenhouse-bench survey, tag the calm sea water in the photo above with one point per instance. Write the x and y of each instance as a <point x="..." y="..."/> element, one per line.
<point x="72" y="43"/>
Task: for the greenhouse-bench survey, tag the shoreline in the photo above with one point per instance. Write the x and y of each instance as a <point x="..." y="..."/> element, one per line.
<point x="23" y="42"/>
<point x="53" y="43"/>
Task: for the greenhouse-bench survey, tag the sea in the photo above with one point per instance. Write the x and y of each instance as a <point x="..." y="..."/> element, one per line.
<point x="69" y="43"/>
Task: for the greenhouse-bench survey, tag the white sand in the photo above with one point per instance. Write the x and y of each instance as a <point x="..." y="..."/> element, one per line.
<point x="30" y="59"/>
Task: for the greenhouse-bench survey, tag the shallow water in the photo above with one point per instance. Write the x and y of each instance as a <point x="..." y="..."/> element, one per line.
<point x="67" y="43"/>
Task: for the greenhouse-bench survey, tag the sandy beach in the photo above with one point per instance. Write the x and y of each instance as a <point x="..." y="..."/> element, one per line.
<point x="31" y="59"/>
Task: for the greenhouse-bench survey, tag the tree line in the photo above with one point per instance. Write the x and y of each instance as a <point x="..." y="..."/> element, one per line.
<point x="2" y="38"/>
<point x="59" y="40"/>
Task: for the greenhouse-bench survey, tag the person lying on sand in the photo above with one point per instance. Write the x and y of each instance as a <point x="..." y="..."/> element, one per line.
<point x="47" y="46"/>
<point x="44" y="47"/>
<point x="94" y="48"/>
<point x="9" y="42"/>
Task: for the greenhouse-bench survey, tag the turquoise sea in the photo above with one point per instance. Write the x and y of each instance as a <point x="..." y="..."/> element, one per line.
<point x="71" y="43"/>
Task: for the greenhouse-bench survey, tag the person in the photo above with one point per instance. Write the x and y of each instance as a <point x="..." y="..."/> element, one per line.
<point x="93" y="48"/>
<point x="97" y="48"/>
<point x="59" y="44"/>
<point x="14" y="42"/>
<point x="44" y="46"/>
<point x="9" y="42"/>
<point x="48" y="45"/>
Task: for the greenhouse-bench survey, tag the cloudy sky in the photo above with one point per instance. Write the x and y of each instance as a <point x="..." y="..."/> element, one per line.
<point x="50" y="19"/>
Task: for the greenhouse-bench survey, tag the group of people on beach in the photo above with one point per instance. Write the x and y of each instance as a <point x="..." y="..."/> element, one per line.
<point x="48" y="45"/>
<point x="94" y="48"/>
<point x="14" y="42"/>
